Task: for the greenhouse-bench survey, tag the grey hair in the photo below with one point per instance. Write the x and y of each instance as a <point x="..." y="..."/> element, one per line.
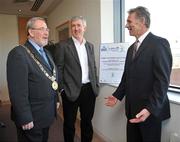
<point x="141" y="12"/>
<point x="74" y="18"/>
<point x="31" y="22"/>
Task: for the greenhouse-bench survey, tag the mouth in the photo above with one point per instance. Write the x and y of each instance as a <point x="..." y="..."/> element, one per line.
<point x="76" y="32"/>
<point x="45" y="38"/>
<point x="129" y="28"/>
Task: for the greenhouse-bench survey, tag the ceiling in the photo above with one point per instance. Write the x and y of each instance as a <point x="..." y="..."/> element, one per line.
<point x="28" y="7"/>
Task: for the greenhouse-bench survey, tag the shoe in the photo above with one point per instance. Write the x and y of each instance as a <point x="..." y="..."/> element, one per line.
<point x="2" y="125"/>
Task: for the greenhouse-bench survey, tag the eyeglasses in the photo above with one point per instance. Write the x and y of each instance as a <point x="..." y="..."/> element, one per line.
<point x="42" y="29"/>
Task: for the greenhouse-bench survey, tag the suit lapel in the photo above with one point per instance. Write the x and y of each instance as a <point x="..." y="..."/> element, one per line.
<point x="53" y="66"/>
<point x="143" y="46"/>
<point x="88" y="49"/>
<point x="73" y="50"/>
<point x="37" y="55"/>
<point x="49" y="59"/>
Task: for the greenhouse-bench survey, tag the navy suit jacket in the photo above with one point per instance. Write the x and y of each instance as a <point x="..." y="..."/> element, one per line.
<point x="146" y="78"/>
<point x="30" y="91"/>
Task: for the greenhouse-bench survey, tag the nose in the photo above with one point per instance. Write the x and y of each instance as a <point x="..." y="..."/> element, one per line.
<point x="126" y="26"/>
<point x="76" y="27"/>
<point x="46" y="33"/>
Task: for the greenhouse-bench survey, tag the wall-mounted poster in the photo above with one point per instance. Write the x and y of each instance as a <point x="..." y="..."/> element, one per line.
<point x="112" y="59"/>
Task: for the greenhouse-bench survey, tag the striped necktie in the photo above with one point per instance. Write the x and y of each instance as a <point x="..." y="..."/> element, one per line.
<point x="135" y="48"/>
<point x="43" y="54"/>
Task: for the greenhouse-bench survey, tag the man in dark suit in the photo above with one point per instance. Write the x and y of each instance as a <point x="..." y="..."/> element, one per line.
<point x="145" y="80"/>
<point x="32" y="82"/>
<point x="78" y="81"/>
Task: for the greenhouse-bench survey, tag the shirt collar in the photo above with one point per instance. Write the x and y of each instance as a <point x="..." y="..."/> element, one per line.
<point x="77" y="42"/>
<point x="36" y="46"/>
<point x="141" y="38"/>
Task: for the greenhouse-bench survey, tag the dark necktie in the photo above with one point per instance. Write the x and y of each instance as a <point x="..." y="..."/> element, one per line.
<point x="43" y="54"/>
<point x="135" y="48"/>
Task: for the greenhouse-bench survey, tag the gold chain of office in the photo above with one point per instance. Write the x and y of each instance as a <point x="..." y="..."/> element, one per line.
<point x="52" y="78"/>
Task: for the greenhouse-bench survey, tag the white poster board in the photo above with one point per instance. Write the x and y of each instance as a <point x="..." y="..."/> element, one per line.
<point x="112" y="59"/>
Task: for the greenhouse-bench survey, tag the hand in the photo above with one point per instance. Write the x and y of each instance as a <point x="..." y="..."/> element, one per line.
<point x="110" y="101"/>
<point x="141" y="116"/>
<point x="57" y="105"/>
<point x="28" y="126"/>
<point x="62" y="92"/>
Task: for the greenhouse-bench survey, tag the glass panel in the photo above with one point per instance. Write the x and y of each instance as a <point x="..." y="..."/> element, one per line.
<point x="164" y="22"/>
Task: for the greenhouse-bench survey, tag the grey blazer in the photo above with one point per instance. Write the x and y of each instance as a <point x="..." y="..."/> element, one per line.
<point x="69" y="69"/>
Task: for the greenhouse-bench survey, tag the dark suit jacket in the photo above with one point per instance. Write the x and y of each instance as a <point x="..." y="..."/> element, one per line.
<point x="145" y="79"/>
<point x="68" y="64"/>
<point x="30" y="91"/>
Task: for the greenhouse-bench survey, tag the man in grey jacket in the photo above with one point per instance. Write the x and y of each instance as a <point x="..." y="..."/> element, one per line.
<point x="78" y="81"/>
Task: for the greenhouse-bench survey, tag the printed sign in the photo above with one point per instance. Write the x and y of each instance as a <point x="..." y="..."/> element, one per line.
<point x="112" y="59"/>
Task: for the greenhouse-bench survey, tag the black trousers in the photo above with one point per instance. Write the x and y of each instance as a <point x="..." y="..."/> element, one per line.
<point x="148" y="131"/>
<point x="32" y="135"/>
<point x="86" y="105"/>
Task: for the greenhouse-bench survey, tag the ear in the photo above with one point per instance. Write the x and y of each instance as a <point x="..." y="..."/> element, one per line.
<point x="143" y="21"/>
<point x="85" y="28"/>
<point x="31" y="32"/>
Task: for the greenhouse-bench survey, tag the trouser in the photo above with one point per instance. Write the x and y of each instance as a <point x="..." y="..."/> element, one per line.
<point x="86" y="105"/>
<point x="147" y="131"/>
<point x="32" y="135"/>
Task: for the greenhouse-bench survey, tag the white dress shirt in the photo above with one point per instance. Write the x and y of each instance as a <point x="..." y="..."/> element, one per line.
<point x="141" y="38"/>
<point x="82" y="54"/>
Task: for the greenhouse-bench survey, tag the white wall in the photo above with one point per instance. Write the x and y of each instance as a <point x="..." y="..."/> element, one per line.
<point x="172" y="126"/>
<point x="8" y="39"/>
<point x="108" y="122"/>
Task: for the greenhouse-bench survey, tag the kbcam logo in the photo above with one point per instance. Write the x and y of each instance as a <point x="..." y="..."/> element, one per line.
<point x="104" y="48"/>
<point x="111" y="48"/>
<point x="114" y="49"/>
